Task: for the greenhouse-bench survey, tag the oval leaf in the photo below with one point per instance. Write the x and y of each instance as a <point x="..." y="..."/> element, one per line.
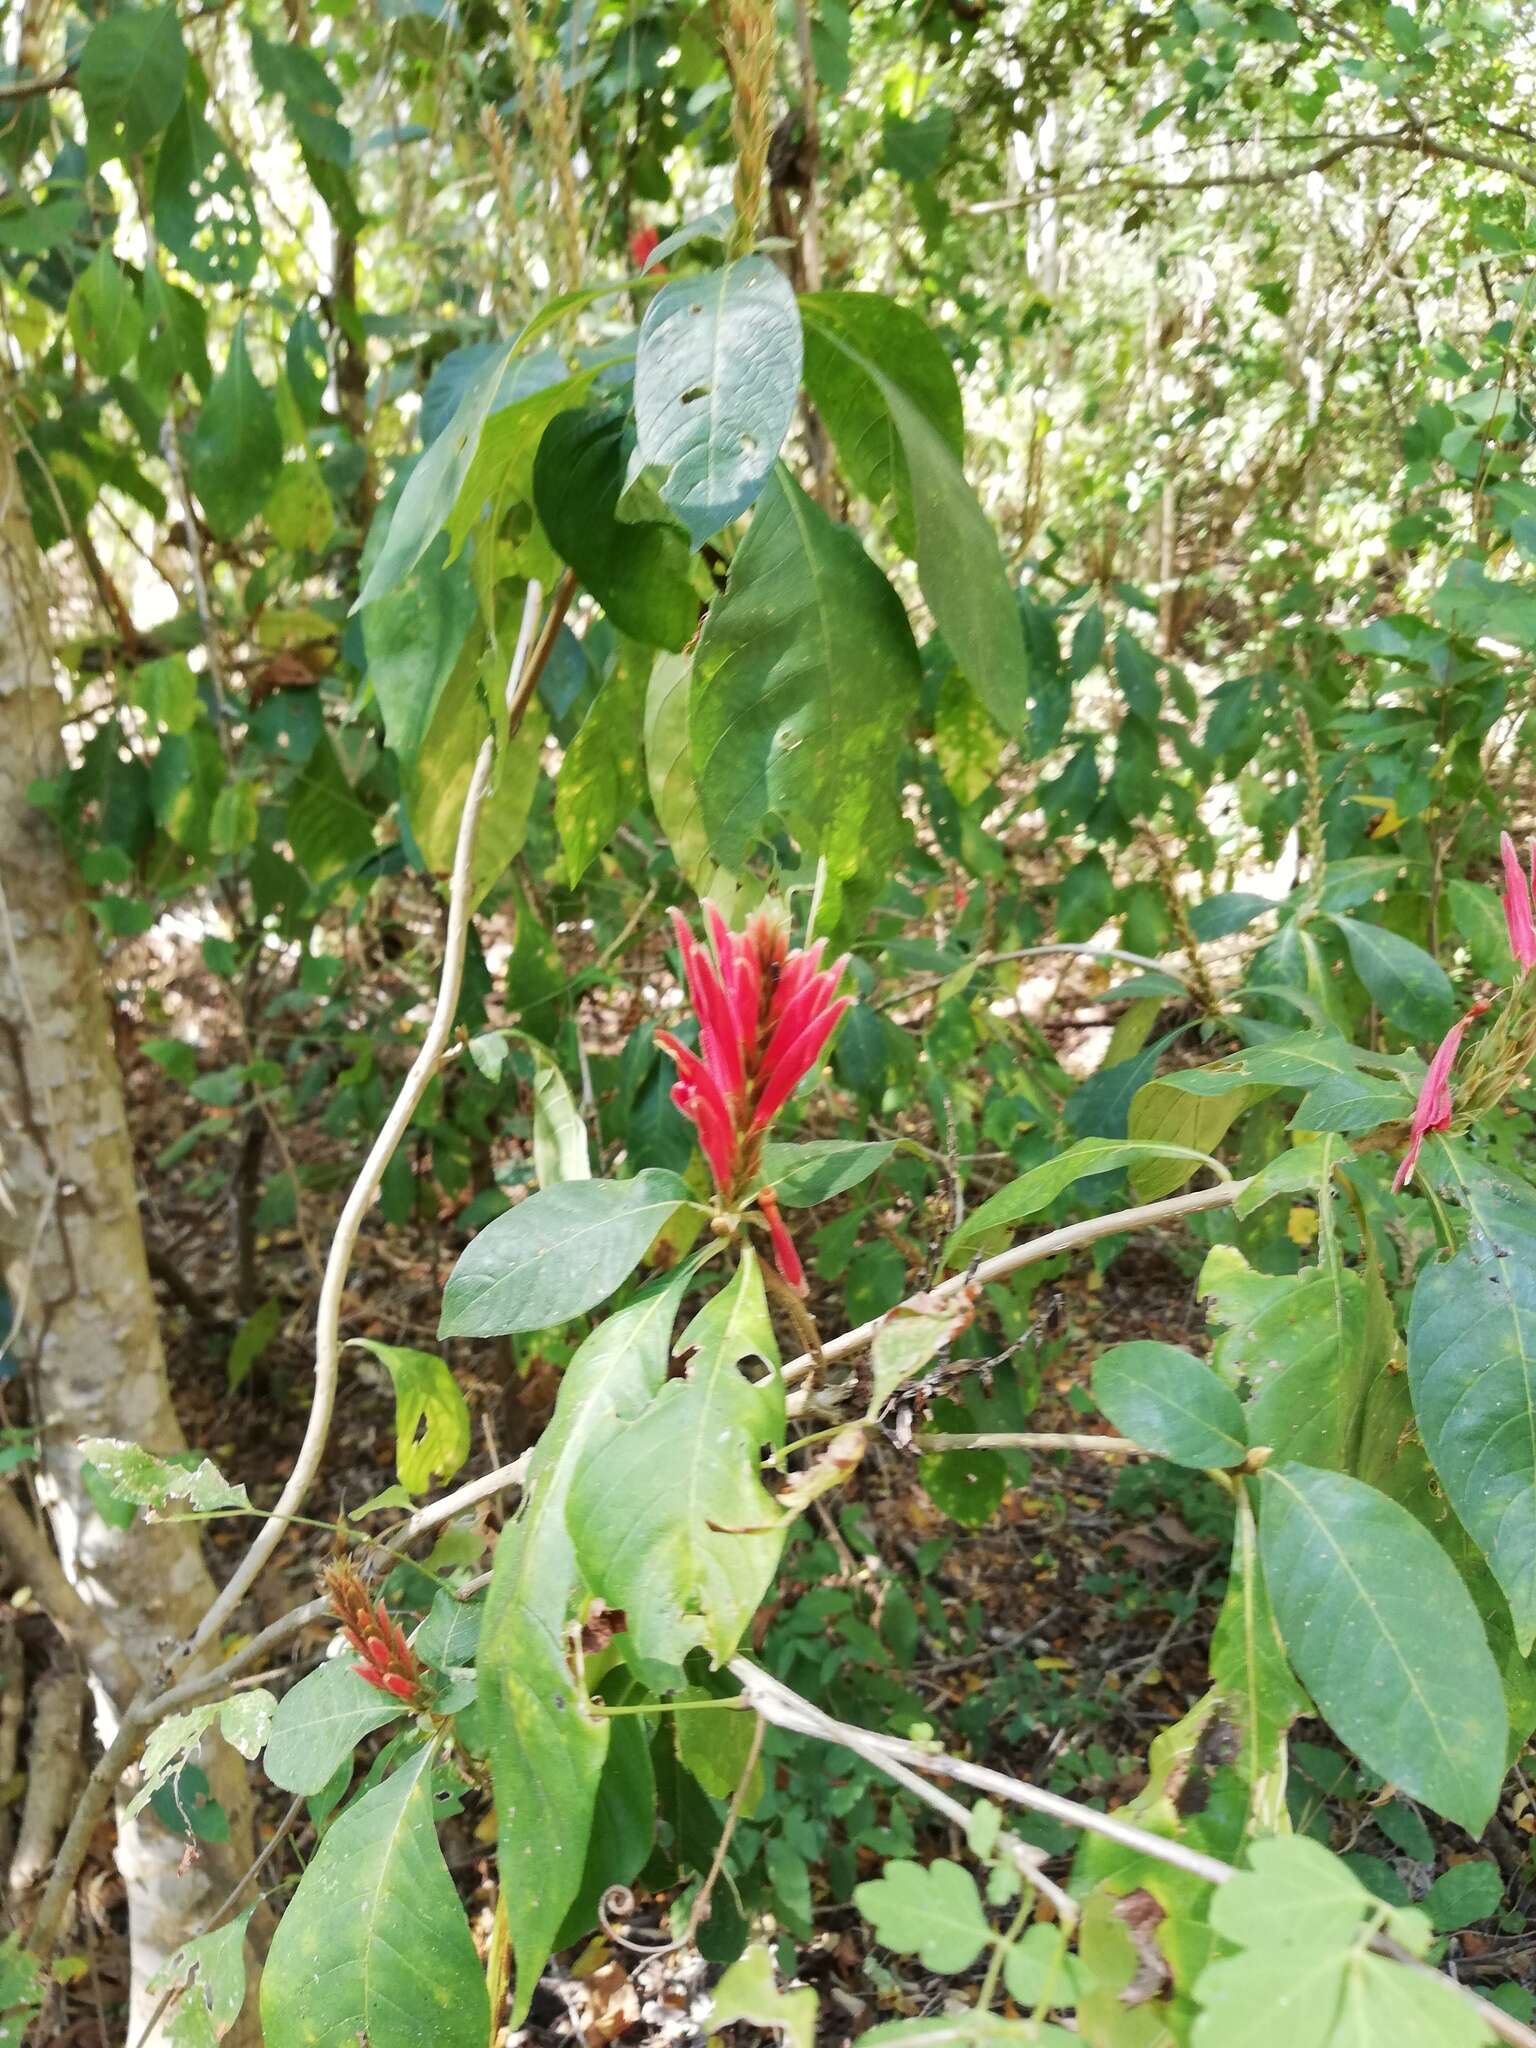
<point x="1038" y="1188"/>
<point x="1170" y="1402"/>
<point x="556" y="1255"/>
<point x="374" y="1945"/>
<point x="1384" y="1636"/>
<point x="716" y="377"/>
<point x="318" y="1724"/>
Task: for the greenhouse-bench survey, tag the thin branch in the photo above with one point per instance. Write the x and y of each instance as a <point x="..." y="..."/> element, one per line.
<point x="522" y="680"/>
<point x="33" y="88"/>
<point x="79" y="1624"/>
<point x="1142" y="960"/>
<point x="1069" y="1238"/>
<point x="903" y="1760"/>
<point x="1026" y="1440"/>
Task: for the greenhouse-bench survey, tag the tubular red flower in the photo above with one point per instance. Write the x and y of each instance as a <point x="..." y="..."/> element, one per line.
<point x="1517" y="903"/>
<point x="785" y="1257"/>
<point x="765" y="1014"/>
<point x="1432" y="1111"/>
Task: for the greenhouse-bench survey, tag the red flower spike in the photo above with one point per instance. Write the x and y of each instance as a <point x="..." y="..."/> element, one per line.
<point x="402" y="1688"/>
<point x="1432" y="1111"/>
<point x="1517" y="903"/>
<point x="642" y="246"/>
<point x="378" y="1653"/>
<point x="765" y="1014"/>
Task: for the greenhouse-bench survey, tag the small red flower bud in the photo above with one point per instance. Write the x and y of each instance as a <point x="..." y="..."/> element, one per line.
<point x="378" y="1653"/>
<point x="402" y="1688"/>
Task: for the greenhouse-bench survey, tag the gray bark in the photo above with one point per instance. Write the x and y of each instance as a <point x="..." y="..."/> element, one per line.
<point x="73" y="1252"/>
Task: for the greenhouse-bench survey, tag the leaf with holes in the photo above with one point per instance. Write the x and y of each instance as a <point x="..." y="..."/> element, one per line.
<point x="374" y="1944"/>
<point x="431" y="1415"/>
<point x="1384" y="1636"/>
<point x="204" y="212"/>
<point x="139" y="1476"/>
<point x="546" y="1752"/>
<point x="243" y="1719"/>
<point x="717" y="373"/>
<point x="669" y="1515"/>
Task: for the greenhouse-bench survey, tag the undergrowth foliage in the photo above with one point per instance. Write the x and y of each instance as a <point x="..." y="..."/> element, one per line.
<point x="674" y="618"/>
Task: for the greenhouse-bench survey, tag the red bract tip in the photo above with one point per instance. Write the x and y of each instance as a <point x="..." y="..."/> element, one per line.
<point x="1432" y="1111"/>
<point x="785" y="1257"/>
<point x="402" y="1688"/>
<point x="1517" y="903"/>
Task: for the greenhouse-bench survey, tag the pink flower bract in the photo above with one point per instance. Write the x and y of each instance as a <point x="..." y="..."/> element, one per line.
<point x="1432" y="1111"/>
<point x="1517" y="903"/>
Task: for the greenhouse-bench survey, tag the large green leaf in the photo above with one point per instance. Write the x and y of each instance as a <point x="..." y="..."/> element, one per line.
<point x="846" y="335"/>
<point x="556" y="1255"/>
<point x="131" y="74"/>
<point x="1385" y="1638"/>
<point x="204" y="212"/>
<point x="105" y="321"/>
<point x="413" y="635"/>
<point x="1037" y="1189"/>
<point x="602" y="778"/>
<point x="318" y="1724"/>
<point x="802" y="1175"/>
<point x="374" y="1945"/>
<point x="717" y="373"/>
<point x="1408" y="986"/>
<point x="431" y="1414"/>
<point x="669" y="1516"/>
<point x="1168" y="1401"/>
<point x="546" y="1753"/>
<point x="236" y="448"/>
<point x="1472" y="1370"/>
<point x="1299" y="1343"/>
<point x="638" y="574"/>
<point x="804" y="683"/>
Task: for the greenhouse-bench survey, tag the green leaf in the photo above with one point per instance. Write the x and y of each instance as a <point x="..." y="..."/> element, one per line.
<point x="236" y="448"/>
<point x="1170" y="1402"/>
<point x="639" y="574"/>
<point x="431" y="1415"/>
<point x="806" y="1174"/>
<point x="1252" y="1672"/>
<point x="318" y="1724"/>
<point x="1037" y="1189"/>
<point x="602" y="778"/>
<point x="557" y="1254"/>
<point x="968" y="1486"/>
<point x="714" y="1746"/>
<point x="932" y="1911"/>
<point x="413" y="635"/>
<point x="1472" y="1371"/>
<point x="1406" y="984"/>
<point x="1385" y="1638"/>
<point x="1038" y="1971"/>
<point x="717" y="373"/>
<point x="436" y="786"/>
<point x="748" y="1991"/>
<point x="204" y="212"/>
<point x="374" y="1943"/>
<point x="914" y="149"/>
<point x="546" y="1751"/>
<point x="804" y="684"/>
<point x="298" y="510"/>
<point x="1463" y="1895"/>
<point x="1168" y="1112"/>
<point x="328" y="828"/>
<point x="151" y="1482"/>
<point x="166" y="691"/>
<point x="131" y="75"/>
<point x="669" y="775"/>
<point x="1305" y="1977"/>
<point x="669" y="1515"/>
<point x="209" y="1971"/>
<point x="251" y="1340"/>
<point x="1477" y="917"/>
<point x="105" y="322"/>
<point x="1300" y="1343"/>
<point x="846" y="335"/>
<point x="421" y="511"/>
<point x="559" y="1135"/>
<point x="243" y="1720"/>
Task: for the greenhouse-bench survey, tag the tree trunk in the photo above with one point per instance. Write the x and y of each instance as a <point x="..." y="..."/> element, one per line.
<point x="74" y="1258"/>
